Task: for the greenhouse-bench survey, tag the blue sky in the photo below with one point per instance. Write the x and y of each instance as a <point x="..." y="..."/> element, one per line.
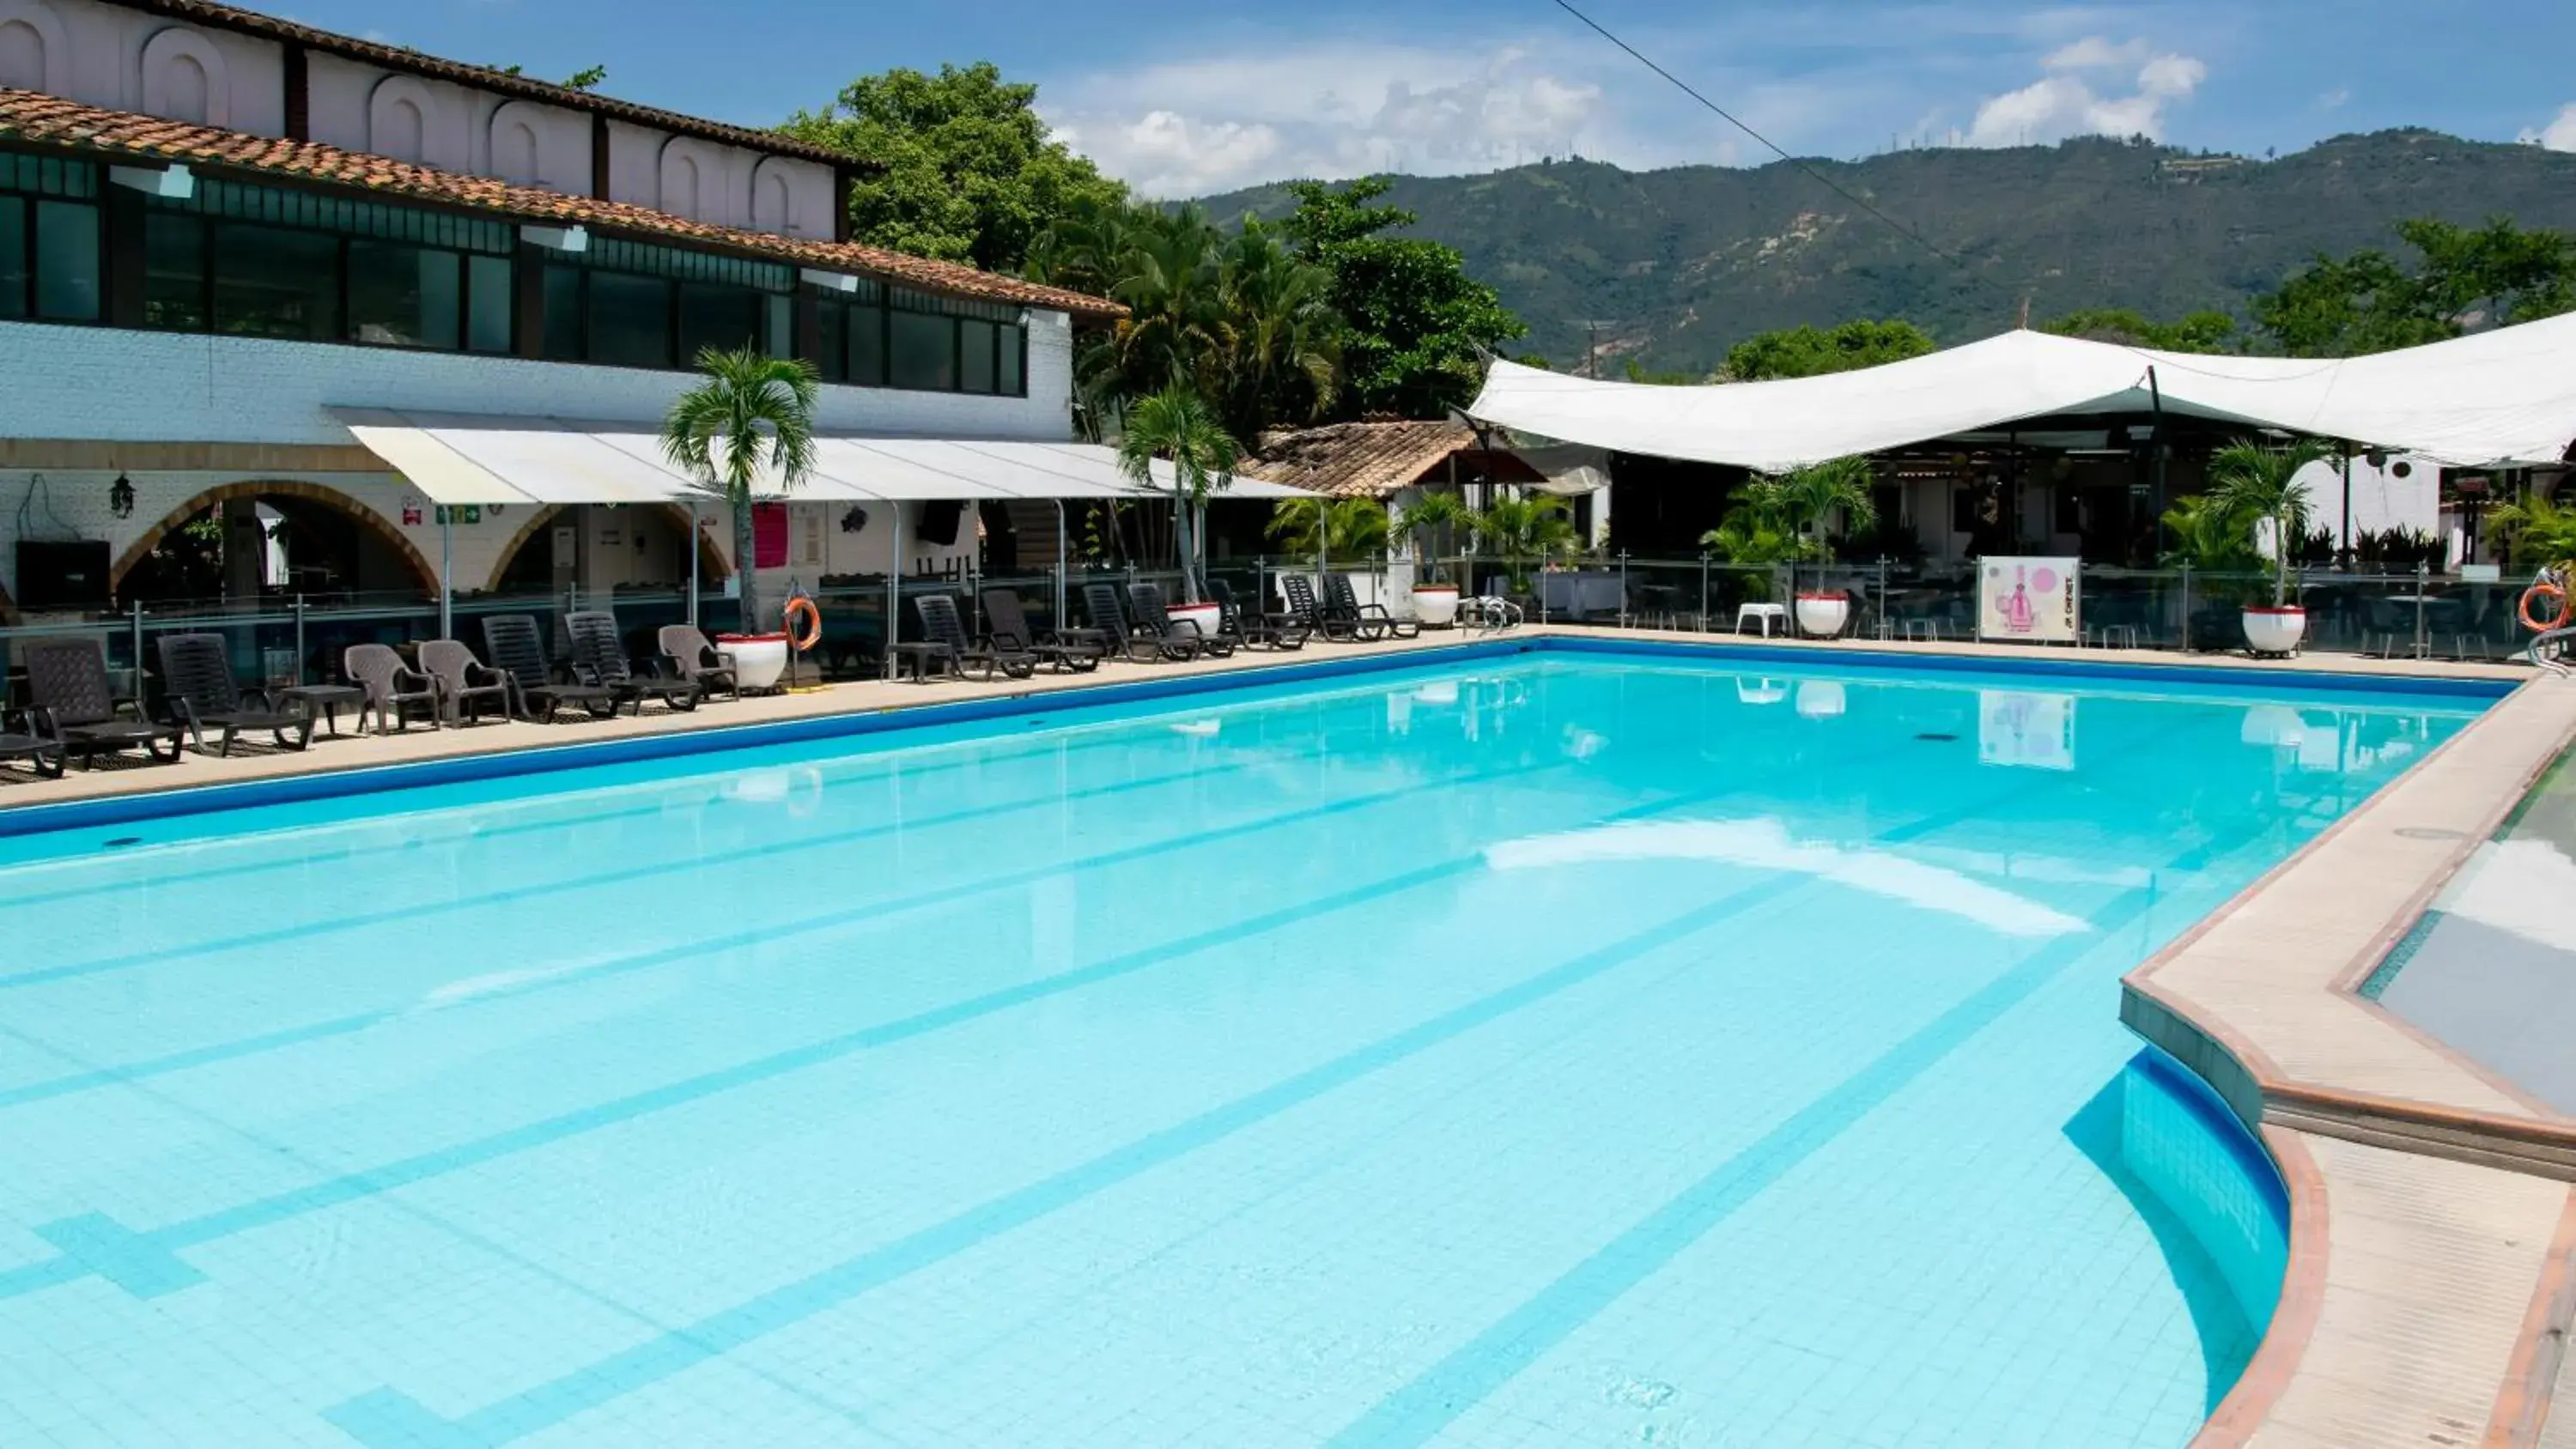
<point x="1189" y="99"/>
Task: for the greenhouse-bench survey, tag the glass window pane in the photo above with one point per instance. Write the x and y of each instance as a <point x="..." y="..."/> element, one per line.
<point x="724" y="318"/>
<point x="780" y="324"/>
<point x="925" y="351"/>
<point x="67" y="261"/>
<point x="403" y="296"/>
<point x="868" y="346"/>
<point x="13" y="257"/>
<point x="491" y="302"/>
<point x="630" y="320"/>
<point x="174" y="272"/>
<point x="833" y="340"/>
<point x="1014" y="339"/>
<point x="563" y="314"/>
<point x="273" y="283"/>
<point x="975" y="355"/>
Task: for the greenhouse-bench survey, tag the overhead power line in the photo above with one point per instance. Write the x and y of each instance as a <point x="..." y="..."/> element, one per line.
<point x="1900" y="228"/>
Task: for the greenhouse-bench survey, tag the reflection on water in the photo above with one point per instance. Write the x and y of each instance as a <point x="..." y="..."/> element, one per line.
<point x="2208" y="1192"/>
<point x="2026" y="727"/>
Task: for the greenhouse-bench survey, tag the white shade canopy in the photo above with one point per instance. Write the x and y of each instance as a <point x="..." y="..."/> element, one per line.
<point x="462" y="458"/>
<point x="2506" y="396"/>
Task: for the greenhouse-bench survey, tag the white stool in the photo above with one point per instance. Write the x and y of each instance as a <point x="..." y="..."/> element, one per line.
<point x="1764" y="614"/>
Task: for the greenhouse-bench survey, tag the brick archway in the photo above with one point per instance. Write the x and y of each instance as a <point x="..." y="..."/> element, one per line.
<point x="329" y="497"/>
<point x="712" y="567"/>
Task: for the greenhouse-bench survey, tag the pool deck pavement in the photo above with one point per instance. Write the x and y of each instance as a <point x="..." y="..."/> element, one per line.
<point x="2433" y="1249"/>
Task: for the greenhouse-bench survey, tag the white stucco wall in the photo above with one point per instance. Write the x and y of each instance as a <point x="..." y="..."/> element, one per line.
<point x="98" y="54"/>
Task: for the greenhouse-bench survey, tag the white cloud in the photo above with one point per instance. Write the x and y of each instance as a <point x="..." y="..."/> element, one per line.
<point x="2558" y="135"/>
<point x="2333" y="100"/>
<point x="1327" y="109"/>
<point x="2093" y="87"/>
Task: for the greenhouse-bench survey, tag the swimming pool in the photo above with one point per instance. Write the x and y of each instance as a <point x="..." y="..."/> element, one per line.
<point x="1563" y="1048"/>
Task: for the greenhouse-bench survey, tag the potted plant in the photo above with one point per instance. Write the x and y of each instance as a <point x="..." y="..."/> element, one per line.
<point x="2258" y="484"/>
<point x="1523" y="531"/>
<point x="717" y="432"/>
<point x="1177" y="426"/>
<point x="1803" y="500"/>
<point x="1435" y="598"/>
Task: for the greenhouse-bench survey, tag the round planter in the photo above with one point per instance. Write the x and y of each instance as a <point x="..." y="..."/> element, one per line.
<point x="1435" y="605"/>
<point x="1820" y="699"/>
<point x="1205" y="616"/>
<point x="758" y="659"/>
<point x="2275" y="631"/>
<point x="1823" y="615"/>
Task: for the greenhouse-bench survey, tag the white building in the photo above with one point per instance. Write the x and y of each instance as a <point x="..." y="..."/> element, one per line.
<point x="216" y="228"/>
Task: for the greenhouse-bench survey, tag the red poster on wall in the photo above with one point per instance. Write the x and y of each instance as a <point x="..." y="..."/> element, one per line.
<point x="769" y="535"/>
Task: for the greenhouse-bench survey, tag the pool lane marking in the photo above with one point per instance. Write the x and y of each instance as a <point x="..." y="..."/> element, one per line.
<point x="1442" y="1394"/>
<point x="354" y="1186"/>
<point x="386" y="1417"/>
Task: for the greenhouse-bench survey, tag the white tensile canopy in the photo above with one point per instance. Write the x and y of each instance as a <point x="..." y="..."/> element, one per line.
<point x="2501" y="397"/>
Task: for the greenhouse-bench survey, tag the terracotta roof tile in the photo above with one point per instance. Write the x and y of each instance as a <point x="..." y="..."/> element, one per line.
<point x="1356" y="460"/>
<point x="34" y="116"/>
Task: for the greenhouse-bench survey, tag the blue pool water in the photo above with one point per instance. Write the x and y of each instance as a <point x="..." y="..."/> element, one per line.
<point x="1562" y="1049"/>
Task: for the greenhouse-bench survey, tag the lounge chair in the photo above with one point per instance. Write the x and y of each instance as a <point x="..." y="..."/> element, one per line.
<point x="393" y="688"/>
<point x="1100" y="601"/>
<point x="465" y="683"/>
<point x="1301" y="603"/>
<point x="691" y="657"/>
<point x="1270" y="630"/>
<point x="1146" y="600"/>
<point x="72" y="704"/>
<point x="517" y="648"/>
<point x="44" y="756"/>
<point x="1006" y="621"/>
<point x="939" y="621"/>
<point x="599" y="659"/>
<point x="1342" y="600"/>
<point x="197" y="675"/>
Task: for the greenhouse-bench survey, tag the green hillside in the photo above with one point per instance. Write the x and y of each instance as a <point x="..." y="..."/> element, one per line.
<point x="1681" y="263"/>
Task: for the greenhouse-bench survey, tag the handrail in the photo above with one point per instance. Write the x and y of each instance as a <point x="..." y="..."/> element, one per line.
<point x="2553" y="660"/>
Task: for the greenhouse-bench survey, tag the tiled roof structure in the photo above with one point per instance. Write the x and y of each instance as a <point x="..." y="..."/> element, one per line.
<point x="1356" y="460"/>
<point x="33" y="116"/>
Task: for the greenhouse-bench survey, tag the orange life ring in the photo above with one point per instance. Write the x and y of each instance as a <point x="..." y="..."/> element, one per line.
<point x="2557" y="618"/>
<point x="813" y="616"/>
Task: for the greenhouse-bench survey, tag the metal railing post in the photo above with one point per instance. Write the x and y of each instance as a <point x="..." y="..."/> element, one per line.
<point x="2186" y="606"/>
<point x="1703" y="591"/>
<point x="1623" y="588"/>
<point x="2423" y="581"/>
<point x="299" y="638"/>
<point x="137" y="644"/>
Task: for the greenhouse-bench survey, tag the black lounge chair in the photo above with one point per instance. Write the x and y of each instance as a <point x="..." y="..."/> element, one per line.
<point x="197" y="675"/>
<point x="1343" y="601"/>
<point x="1006" y="621"/>
<point x="1301" y="604"/>
<point x="940" y="622"/>
<point x="1146" y="600"/>
<point x="1100" y="601"/>
<point x="599" y="659"/>
<point x="1269" y="630"/>
<point x="686" y="650"/>
<point x="72" y="704"/>
<point x="517" y="648"/>
<point x="43" y="755"/>
<point x="465" y="683"/>
<point x="394" y="689"/>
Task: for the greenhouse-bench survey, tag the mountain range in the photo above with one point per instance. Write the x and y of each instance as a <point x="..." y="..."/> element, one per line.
<point x="1676" y="265"/>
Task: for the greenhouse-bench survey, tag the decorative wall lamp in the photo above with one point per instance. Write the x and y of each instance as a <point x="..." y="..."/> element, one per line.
<point x="120" y="496"/>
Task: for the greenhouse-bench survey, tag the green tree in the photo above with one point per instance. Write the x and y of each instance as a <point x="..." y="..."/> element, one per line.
<point x="1352" y="528"/>
<point x="1176" y="426"/>
<point x="2206" y="331"/>
<point x="1759" y="528"/>
<point x="970" y="172"/>
<point x="2463" y="277"/>
<point x="1524" y="530"/>
<point x="1415" y="327"/>
<point x="717" y="433"/>
<point x="1435" y="520"/>
<point x="1812" y="352"/>
<point x="2536" y="532"/>
<point x="2250" y="481"/>
<point x="2207" y="534"/>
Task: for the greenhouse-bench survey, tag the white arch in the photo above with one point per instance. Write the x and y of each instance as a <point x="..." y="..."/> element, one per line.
<point x="32" y="36"/>
<point x="166" y="59"/>
<point x="392" y="132"/>
<point x="692" y="172"/>
<point x="517" y="133"/>
<point x="773" y="205"/>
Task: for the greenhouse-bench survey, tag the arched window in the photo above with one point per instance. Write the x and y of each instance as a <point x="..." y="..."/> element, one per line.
<point x="22" y="55"/>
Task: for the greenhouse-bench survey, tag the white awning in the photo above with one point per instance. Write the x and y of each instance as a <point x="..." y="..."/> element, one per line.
<point x="464" y="458"/>
<point x="2496" y="397"/>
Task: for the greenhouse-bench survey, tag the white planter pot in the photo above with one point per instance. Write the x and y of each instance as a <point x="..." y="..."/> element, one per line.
<point x="1820" y="699"/>
<point x="1435" y="605"/>
<point x="1823" y="615"/>
<point x="2275" y="631"/>
<point x="1206" y="616"/>
<point x="758" y="659"/>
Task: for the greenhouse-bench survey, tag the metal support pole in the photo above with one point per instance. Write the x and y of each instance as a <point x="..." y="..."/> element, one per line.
<point x="299" y="638"/>
<point x="137" y="608"/>
<point x="2423" y="580"/>
<point x="446" y="576"/>
<point x="1623" y="588"/>
<point x="2186" y="607"/>
<point x="1059" y="564"/>
<point x="693" y="564"/>
<point x="2343" y="538"/>
<point x="1703" y="591"/>
<point x="894" y="593"/>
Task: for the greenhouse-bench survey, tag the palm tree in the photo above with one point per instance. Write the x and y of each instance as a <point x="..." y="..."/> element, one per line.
<point x="2251" y="481"/>
<point x="2207" y="535"/>
<point x="717" y="430"/>
<point x="1433" y="518"/>
<point x="1804" y="498"/>
<point x="1350" y="528"/>
<point x="1520" y="530"/>
<point x="1175" y="426"/>
<point x="2537" y="531"/>
<point x="1274" y="354"/>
